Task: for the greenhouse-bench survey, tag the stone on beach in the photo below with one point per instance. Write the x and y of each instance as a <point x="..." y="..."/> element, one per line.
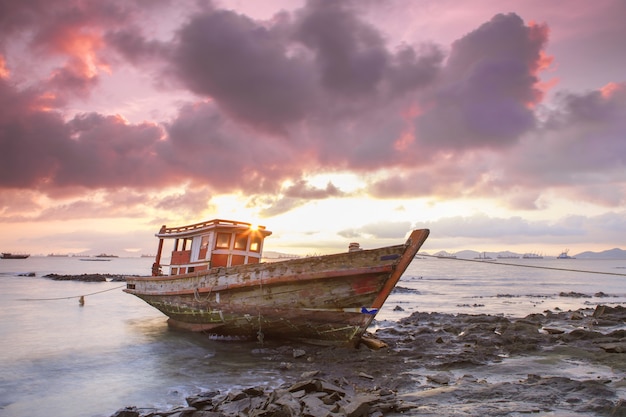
<point x="432" y="364"/>
<point x="313" y="398"/>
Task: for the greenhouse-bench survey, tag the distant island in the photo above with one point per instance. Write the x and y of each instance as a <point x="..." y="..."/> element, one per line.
<point x="615" y="253"/>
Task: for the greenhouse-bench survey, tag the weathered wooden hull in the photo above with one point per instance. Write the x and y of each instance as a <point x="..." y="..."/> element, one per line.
<point x="327" y="299"/>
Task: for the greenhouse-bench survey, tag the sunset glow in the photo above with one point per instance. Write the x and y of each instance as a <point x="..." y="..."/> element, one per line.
<point x="499" y="128"/>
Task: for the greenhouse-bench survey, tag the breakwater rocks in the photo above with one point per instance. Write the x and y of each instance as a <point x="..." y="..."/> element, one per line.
<point x="312" y="397"/>
<point x="87" y="277"/>
<point x="431" y="364"/>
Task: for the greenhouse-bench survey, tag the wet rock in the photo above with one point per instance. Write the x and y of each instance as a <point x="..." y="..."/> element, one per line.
<point x="415" y="374"/>
<point x="614" y="347"/>
<point x="581" y="334"/>
<point x="203" y="399"/>
<point x="359" y="406"/>
<point x="442" y="379"/>
<point x="574" y="294"/>
<point x="313" y="397"/>
<point x="298" y="353"/>
<point x="83" y="277"/>
<point x="127" y="412"/>
<point x="552" y="330"/>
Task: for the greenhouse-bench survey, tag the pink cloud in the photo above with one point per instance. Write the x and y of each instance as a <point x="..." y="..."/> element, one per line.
<point x="319" y="88"/>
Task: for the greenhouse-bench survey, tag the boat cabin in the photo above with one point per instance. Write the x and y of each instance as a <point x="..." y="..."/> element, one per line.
<point x="210" y="244"/>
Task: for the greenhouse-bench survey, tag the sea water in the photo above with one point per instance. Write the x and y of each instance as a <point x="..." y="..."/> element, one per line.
<point x="59" y="358"/>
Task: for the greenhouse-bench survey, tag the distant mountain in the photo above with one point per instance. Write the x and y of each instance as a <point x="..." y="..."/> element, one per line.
<point x="469" y="254"/>
<point x="614" y="253"/>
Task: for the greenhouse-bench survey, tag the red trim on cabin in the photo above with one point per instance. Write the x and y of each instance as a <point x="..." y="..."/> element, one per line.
<point x="237" y="260"/>
<point x="218" y="259"/>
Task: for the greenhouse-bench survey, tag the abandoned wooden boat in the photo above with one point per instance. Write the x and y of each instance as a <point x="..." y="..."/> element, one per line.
<point x="218" y="284"/>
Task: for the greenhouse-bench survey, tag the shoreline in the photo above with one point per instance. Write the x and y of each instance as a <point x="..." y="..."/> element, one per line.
<point x="432" y="364"/>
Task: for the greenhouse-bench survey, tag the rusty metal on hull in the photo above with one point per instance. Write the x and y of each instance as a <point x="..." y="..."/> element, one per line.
<point x="326" y="299"/>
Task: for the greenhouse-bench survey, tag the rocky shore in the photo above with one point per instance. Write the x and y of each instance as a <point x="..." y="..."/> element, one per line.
<point x="87" y="277"/>
<point x="432" y="364"/>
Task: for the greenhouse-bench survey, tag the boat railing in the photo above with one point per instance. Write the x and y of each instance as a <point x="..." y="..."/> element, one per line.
<point x="217" y="222"/>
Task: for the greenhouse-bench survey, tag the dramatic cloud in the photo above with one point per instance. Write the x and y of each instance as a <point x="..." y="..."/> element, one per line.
<point x="226" y="102"/>
<point x="488" y="87"/>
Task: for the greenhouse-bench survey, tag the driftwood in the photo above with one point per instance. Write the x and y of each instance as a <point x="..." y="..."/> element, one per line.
<point x="373" y="343"/>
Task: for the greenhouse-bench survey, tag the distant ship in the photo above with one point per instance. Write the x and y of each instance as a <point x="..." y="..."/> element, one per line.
<point x="483" y="257"/>
<point x="104" y="255"/>
<point x="532" y="256"/>
<point x="564" y="255"/>
<point x="9" y="255"/>
<point x="58" y="255"/>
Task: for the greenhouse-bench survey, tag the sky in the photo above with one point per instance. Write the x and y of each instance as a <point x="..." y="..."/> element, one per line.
<point x="497" y="125"/>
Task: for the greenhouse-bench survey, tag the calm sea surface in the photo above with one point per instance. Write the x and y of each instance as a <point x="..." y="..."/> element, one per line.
<point x="61" y="359"/>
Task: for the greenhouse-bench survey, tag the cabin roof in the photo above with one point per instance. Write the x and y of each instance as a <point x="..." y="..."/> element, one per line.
<point x="204" y="227"/>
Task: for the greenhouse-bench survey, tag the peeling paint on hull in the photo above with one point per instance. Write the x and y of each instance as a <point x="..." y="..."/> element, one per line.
<point x="327" y="299"/>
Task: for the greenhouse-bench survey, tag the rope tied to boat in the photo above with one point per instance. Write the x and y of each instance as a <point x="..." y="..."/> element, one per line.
<point x="482" y="261"/>
<point x="80" y="297"/>
<point x="196" y="295"/>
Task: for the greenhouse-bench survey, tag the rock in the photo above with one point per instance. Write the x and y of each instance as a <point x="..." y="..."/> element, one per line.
<point x="298" y="353"/>
<point x="82" y="277"/>
<point x="310" y="397"/>
<point x="126" y="412"/>
<point x="309" y="374"/>
<point x="364" y="382"/>
<point x="359" y="405"/>
<point x="441" y="379"/>
<point x="552" y="330"/>
<point x="202" y="399"/>
<point x="578" y="334"/>
<point x="619" y="409"/>
<point x="614" y="347"/>
<point x="574" y="294"/>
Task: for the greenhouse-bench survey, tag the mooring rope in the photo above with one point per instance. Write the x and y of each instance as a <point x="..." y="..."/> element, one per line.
<point x="482" y="261"/>
<point x="68" y="298"/>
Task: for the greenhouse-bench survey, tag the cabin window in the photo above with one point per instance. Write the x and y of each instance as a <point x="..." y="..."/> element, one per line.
<point x="241" y="241"/>
<point x="255" y="244"/>
<point x="205" y="242"/>
<point x="222" y="241"/>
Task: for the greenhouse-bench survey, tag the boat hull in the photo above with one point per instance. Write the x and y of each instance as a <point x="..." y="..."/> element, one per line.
<point x="325" y="300"/>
